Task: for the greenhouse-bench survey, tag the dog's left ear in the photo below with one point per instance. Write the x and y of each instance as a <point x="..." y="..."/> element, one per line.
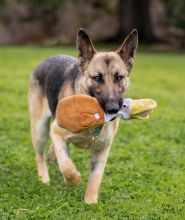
<point x="85" y="47"/>
<point x="128" y="49"/>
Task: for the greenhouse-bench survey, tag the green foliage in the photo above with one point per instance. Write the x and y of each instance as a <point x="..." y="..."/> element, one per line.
<point x="144" y="177"/>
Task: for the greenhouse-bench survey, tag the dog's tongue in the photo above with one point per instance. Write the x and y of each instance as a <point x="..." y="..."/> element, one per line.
<point x="109" y="117"/>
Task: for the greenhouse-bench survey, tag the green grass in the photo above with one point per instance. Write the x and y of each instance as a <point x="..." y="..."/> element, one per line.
<point x="145" y="173"/>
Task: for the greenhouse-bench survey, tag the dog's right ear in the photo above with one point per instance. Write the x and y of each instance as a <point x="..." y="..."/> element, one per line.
<point x="85" y="47"/>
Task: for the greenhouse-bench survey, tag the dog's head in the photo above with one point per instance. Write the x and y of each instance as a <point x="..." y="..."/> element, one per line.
<point x="105" y="75"/>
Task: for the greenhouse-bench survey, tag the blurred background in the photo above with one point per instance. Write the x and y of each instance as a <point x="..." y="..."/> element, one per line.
<point x="160" y="23"/>
<point x="144" y="177"/>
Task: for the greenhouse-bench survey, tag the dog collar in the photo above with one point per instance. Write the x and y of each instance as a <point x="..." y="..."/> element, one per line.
<point x="95" y="132"/>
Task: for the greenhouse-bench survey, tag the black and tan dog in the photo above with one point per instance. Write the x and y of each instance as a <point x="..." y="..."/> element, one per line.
<point x="104" y="75"/>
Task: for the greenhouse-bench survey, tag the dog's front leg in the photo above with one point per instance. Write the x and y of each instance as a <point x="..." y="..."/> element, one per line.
<point x="98" y="162"/>
<point x="67" y="168"/>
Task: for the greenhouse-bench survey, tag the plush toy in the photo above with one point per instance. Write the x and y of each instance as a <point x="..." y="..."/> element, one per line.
<point x="81" y="112"/>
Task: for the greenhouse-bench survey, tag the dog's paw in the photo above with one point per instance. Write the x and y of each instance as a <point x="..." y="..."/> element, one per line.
<point x="91" y="198"/>
<point x="73" y="179"/>
<point x="44" y="178"/>
<point x="71" y="175"/>
<point x="42" y="171"/>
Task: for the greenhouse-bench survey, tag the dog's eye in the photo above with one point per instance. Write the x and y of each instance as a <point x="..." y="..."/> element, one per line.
<point x="118" y="77"/>
<point x="98" y="78"/>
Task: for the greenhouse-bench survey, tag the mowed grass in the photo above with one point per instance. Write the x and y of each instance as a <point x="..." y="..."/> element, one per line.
<point x="145" y="173"/>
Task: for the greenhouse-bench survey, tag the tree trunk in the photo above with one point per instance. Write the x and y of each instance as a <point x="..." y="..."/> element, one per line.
<point x="135" y="14"/>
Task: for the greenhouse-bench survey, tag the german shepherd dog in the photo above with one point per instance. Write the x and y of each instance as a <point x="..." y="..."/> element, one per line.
<point x="103" y="75"/>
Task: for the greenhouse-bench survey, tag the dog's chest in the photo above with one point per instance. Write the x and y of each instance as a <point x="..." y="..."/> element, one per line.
<point x="86" y="140"/>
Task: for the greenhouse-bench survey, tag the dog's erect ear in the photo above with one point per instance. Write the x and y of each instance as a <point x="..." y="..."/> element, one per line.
<point x="85" y="48"/>
<point x="128" y="49"/>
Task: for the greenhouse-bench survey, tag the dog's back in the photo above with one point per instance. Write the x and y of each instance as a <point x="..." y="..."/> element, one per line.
<point x="52" y="75"/>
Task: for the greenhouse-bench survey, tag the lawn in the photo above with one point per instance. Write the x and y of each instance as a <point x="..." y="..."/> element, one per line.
<point x="145" y="173"/>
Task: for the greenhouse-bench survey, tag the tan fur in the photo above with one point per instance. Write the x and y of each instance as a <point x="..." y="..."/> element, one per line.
<point x="91" y="195"/>
<point x="97" y="65"/>
<point x="66" y="91"/>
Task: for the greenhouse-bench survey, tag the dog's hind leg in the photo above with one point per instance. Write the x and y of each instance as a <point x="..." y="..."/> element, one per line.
<point x="39" y="116"/>
<point x="51" y="154"/>
<point x="39" y="131"/>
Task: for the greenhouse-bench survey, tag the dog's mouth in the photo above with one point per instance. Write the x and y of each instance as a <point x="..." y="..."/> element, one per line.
<point x="113" y="119"/>
<point x="102" y="103"/>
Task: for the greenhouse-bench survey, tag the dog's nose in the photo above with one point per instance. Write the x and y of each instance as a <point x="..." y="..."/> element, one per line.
<point x="112" y="108"/>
